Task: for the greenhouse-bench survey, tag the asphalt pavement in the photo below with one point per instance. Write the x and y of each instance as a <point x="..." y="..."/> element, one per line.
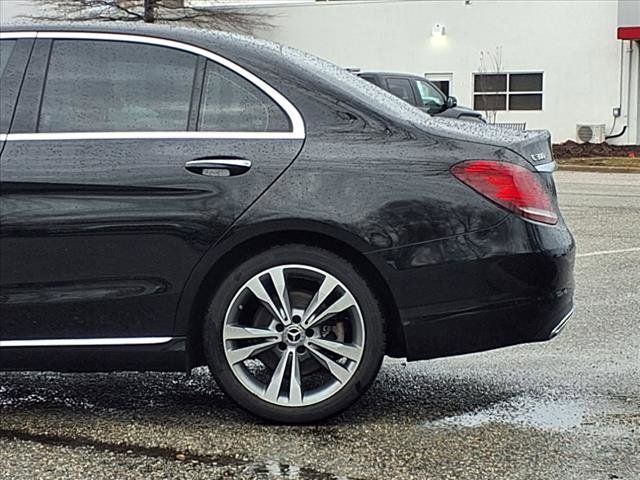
<point x="566" y="409"/>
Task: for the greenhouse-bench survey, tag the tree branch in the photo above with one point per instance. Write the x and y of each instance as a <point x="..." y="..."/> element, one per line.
<point x="217" y="17"/>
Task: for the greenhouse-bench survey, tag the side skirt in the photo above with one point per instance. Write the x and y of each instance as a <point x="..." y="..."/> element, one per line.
<point x="95" y="355"/>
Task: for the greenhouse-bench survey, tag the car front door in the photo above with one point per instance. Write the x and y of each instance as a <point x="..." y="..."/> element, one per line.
<point x="127" y="158"/>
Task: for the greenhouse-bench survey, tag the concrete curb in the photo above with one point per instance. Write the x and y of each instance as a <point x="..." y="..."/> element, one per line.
<point x="598" y="168"/>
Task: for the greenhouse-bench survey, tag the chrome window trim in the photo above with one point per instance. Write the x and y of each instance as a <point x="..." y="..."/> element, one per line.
<point x="10" y="35"/>
<point x="85" y="342"/>
<point x="159" y="135"/>
<point x="297" y="123"/>
<point x="547" y="167"/>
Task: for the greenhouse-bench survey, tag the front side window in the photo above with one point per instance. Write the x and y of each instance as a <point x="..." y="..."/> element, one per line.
<point x="507" y="91"/>
<point x="231" y="103"/>
<point x="6" y="47"/>
<point x="112" y="86"/>
<point x="429" y="96"/>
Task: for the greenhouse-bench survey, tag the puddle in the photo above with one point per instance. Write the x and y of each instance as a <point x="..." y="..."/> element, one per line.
<point x="557" y="415"/>
<point x="276" y="470"/>
<point x="270" y="470"/>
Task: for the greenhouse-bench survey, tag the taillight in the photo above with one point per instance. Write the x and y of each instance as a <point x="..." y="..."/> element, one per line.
<point x="510" y="186"/>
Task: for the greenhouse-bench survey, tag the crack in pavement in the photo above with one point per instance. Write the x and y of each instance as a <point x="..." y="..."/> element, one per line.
<point x="165" y="453"/>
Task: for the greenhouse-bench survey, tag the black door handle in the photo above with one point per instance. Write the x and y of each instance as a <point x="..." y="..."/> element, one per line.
<point x="218" y="167"/>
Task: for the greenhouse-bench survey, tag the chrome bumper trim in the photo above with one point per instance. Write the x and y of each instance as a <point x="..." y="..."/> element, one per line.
<point x="547" y="167"/>
<point x="558" y="328"/>
<point x="84" y="342"/>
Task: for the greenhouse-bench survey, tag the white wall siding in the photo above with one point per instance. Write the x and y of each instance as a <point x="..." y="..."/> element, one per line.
<point x="628" y="13"/>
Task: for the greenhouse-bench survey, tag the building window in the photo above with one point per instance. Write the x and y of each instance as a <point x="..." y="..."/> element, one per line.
<point x="507" y="91"/>
<point x="441" y="80"/>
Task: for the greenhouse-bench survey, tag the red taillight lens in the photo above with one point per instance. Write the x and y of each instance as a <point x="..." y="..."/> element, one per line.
<point x="510" y="186"/>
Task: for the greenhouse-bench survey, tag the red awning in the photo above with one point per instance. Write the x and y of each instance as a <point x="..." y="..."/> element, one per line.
<point x="628" y="33"/>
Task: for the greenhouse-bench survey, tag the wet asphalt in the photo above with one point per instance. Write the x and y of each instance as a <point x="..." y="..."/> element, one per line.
<point x="565" y="409"/>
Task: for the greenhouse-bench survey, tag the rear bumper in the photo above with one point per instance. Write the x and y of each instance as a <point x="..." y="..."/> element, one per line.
<point x="486" y="329"/>
<point x="508" y="285"/>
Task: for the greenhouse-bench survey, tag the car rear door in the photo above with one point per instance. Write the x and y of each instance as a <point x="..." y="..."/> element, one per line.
<point x="128" y="157"/>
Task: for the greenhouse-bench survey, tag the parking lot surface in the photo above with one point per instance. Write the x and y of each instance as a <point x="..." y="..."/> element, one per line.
<point x="565" y="409"/>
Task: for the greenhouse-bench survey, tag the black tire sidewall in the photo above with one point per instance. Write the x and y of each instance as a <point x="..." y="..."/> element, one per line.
<point x="314" y="257"/>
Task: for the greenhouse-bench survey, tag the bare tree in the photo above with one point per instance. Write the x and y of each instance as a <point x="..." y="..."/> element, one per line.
<point x="490" y="63"/>
<point x="215" y="15"/>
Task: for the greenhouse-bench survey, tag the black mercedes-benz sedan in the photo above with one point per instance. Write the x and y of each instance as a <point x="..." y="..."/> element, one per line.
<point x="174" y="198"/>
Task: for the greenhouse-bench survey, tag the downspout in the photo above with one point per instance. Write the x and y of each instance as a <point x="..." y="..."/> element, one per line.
<point x="624" y="128"/>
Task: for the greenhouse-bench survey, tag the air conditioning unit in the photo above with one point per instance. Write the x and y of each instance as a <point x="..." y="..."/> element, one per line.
<point x="590" y="133"/>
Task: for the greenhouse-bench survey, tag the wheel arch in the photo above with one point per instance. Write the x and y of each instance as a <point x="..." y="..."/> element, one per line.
<point x="235" y="248"/>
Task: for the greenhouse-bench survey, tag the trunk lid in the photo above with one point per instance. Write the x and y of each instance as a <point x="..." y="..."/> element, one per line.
<point x="533" y="145"/>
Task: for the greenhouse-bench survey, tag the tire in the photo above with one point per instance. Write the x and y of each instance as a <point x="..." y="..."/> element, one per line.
<point x="305" y="353"/>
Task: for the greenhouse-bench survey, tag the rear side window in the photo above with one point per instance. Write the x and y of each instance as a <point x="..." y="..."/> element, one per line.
<point x="401" y="87"/>
<point x="6" y="47"/>
<point x="111" y="86"/>
<point x="232" y="104"/>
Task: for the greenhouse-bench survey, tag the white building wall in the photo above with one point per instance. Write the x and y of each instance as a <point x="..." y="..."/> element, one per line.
<point x="628" y="13"/>
<point x="573" y="42"/>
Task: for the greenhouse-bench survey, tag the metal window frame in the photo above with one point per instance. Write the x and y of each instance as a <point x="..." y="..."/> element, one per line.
<point x="507" y="93"/>
<point x="297" y="131"/>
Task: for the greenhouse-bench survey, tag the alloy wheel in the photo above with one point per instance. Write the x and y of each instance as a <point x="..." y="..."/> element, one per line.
<point x="293" y="335"/>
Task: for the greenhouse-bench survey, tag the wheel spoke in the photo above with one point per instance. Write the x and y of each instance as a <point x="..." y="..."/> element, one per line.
<point x="295" y="383"/>
<point x="241" y="354"/>
<point x="352" y="352"/>
<point x="279" y="282"/>
<point x="337" y="370"/>
<point x="275" y="384"/>
<point x="340" y="305"/>
<point x="232" y="332"/>
<point x="327" y="286"/>
<point x="261" y="294"/>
